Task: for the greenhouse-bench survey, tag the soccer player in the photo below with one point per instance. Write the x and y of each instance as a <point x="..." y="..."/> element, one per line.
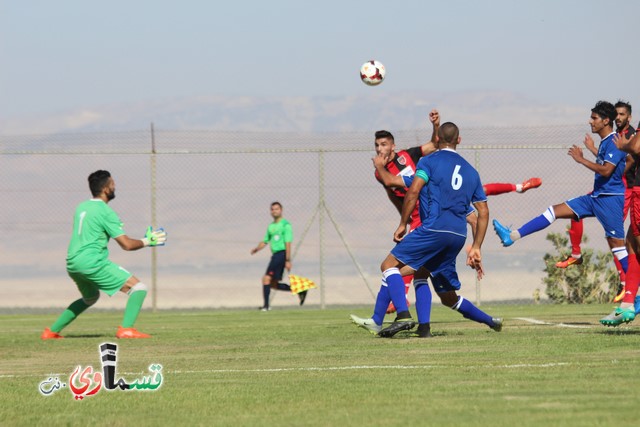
<point x="605" y="202"/>
<point x="88" y="262"/>
<point x="445" y="185"/>
<point x="279" y="236"/>
<point x="403" y="164"/>
<point x="630" y="177"/>
<point x="630" y="303"/>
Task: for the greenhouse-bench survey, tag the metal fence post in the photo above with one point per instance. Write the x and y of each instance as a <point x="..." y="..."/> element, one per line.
<point x="154" y="255"/>
<point x="321" y="224"/>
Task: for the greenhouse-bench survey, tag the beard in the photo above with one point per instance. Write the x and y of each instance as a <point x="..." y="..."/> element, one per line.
<point x="111" y="195"/>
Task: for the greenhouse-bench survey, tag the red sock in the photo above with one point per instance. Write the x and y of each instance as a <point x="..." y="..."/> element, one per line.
<point x="633" y="279"/>
<point x="496" y="188"/>
<point x="407" y="283"/>
<point x="620" y="270"/>
<point x="575" y="235"/>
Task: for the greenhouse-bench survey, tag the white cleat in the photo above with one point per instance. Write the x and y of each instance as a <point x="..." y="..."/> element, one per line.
<point x="367" y="324"/>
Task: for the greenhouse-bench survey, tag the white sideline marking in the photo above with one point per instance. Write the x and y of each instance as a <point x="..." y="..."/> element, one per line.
<point x="311" y="368"/>
<point x="561" y="325"/>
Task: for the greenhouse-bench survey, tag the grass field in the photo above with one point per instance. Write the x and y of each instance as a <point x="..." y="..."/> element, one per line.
<point x="310" y="367"/>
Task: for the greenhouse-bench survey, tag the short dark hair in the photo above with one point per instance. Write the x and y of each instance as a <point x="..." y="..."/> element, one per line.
<point x="623" y="104"/>
<point x="605" y="110"/>
<point x="384" y="134"/>
<point x="276" y="203"/>
<point x="97" y="181"/>
<point x="449" y="133"/>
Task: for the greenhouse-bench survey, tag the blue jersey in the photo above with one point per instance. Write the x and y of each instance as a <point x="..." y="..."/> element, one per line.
<point x="609" y="153"/>
<point x="452" y="184"/>
<point x="408" y="180"/>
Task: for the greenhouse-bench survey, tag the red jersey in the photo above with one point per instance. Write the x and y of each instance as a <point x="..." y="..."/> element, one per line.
<point x="404" y="164"/>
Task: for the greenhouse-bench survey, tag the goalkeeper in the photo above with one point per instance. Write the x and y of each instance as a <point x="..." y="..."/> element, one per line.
<point x="88" y="262"/>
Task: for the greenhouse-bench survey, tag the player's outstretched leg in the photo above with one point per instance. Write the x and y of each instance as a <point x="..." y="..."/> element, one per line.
<point x="68" y="316"/>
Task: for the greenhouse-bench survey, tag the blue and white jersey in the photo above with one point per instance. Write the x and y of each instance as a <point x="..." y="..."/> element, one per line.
<point x="408" y="180"/>
<point x="609" y="153"/>
<point x="452" y="184"/>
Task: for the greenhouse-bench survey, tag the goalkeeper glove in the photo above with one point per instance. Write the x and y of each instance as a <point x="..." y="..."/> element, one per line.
<point x="154" y="237"/>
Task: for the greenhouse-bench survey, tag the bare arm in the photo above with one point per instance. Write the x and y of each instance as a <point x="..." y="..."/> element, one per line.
<point x="129" y="244"/>
<point x="287" y="263"/>
<point x="590" y="144"/>
<point x="474" y="257"/>
<point x="387" y="178"/>
<point x="627" y="145"/>
<point x="259" y="247"/>
<point x="410" y="200"/>
<point x="605" y="169"/>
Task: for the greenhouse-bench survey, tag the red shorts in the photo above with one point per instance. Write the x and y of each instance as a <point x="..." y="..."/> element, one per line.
<point x="634" y="208"/>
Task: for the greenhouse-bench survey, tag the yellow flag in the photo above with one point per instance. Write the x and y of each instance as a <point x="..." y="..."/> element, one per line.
<point x="300" y="284"/>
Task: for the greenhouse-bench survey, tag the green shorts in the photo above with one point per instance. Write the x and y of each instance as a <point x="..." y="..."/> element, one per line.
<point x="109" y="279"/>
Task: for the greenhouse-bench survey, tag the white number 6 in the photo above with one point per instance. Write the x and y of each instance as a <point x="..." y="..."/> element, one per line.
<point x="456" y="178"/>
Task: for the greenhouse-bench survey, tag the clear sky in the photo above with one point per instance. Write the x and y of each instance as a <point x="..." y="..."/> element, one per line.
<point x="70" y="54"/>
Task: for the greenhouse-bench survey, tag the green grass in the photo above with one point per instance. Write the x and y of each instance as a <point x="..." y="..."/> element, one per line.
<point x="309" y="367"/>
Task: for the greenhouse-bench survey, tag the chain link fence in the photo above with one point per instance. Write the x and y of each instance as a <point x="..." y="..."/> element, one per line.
<point x="212" y="191"/>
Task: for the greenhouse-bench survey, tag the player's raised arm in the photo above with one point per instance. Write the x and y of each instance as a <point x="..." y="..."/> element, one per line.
<point x="384" y="176"/>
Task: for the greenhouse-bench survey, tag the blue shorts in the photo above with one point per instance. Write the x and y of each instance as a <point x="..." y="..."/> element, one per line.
<point x="433" y="250"/>
<point x="276" y="265"/>
<point x="607" y="209"/>
<point x="446" y="279"/>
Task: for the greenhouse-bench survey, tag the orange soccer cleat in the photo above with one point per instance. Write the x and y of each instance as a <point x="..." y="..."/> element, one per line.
<point x="570" y="260"/>
<point x="130" y="333"/>
<point x="48" y="334"/>
<point x="531" y="183"/>
<point x="620" y="295"/>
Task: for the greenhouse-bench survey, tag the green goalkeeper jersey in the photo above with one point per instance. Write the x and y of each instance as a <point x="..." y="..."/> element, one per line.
<point x="94" y="224"/>
<point x="278" y="234"/>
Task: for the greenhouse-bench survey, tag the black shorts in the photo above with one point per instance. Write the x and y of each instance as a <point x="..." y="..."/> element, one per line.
<point x="276" y="265"/>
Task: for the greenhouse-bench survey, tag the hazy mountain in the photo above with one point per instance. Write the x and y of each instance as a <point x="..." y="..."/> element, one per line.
<point x="308" y="114"/>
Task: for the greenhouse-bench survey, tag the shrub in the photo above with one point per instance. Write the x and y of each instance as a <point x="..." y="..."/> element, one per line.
<point x="593" y="281"/>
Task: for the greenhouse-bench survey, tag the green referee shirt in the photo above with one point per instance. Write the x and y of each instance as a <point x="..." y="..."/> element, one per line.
<point x="93" y="225"/>
<point x="278" y="234"/>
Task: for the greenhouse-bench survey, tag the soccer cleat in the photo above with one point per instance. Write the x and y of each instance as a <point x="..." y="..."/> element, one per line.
<point x="619" y="316"/>
<point x="620" y="294"/>
<point x="424" y="330"/>
<point x="130" y="333"/>
<point x="48" y="334"/>
<point x="531" y="183"/>
<point x="636" y="304"/>
<point x="397" y="326"/>
<point x="570" y="260"/>
<point x="264" y="308"/>
<point x="302" y="296"/>
<point x="503" y="233"/>
<point x="497" y="324"/>
<point x="367" y="324"/>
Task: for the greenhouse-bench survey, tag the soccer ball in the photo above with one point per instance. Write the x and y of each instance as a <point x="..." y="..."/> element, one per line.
<point x="372" y="73"/>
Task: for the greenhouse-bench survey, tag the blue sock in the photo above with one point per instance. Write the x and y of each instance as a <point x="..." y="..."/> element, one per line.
<point x="470" y="311"/>
<point x="395" y="284"/>
<point x="423" y="300"/>
<point x="538" y="223"/>
<point x="636" y="304"/>
<point x="382" y="302"/>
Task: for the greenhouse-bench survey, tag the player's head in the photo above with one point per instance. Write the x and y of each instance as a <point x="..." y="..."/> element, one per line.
<point x="623" y="114"/>
<point x="276" y="210"/>
<point x="448" y="136"/>
<point x="385" y="144"/>
<point x="602" y="116"/>
<point x="100" y="181"/>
